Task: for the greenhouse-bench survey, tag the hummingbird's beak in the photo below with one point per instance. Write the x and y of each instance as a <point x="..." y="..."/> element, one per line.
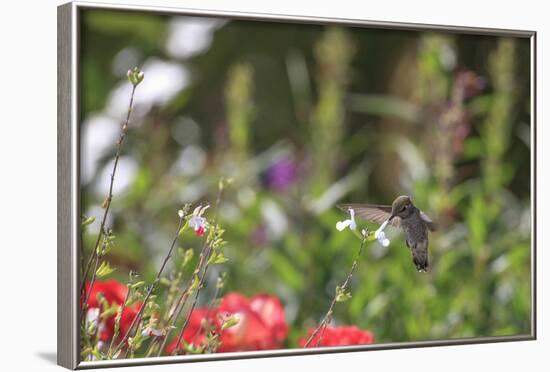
<point x="391" y="217"/>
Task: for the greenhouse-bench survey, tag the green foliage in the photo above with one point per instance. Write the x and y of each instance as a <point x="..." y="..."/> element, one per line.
<point x="230" y="322"/>
<point x="342" y="295"/>
<point x="365" y="115"/>
<point x="104" y="269"/>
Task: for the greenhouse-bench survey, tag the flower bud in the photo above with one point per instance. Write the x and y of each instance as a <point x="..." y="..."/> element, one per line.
<point x="135" y="76"/>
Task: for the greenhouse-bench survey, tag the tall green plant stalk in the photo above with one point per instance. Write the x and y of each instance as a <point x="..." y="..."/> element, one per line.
<point x="433" y="90"/>
<point x="239" y="109"/>
<point x="496" y="132"/>
<point x="334" y="53"/>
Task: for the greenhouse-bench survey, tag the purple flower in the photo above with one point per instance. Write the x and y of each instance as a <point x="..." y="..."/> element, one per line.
<point x="281" y="174"/>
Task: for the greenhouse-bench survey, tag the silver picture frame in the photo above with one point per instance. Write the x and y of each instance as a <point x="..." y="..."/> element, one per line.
<point x="68" y="195"/>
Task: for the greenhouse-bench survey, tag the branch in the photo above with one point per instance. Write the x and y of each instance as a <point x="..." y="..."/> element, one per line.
<point x="203" y="261"/>
<point x="207" y="256"/>
<point x="328" y="316"/>
<point x="117" y="323"/>
<point x="138" y="316"/>
<point x="92" y="281"/>
<point x="135" y="77"/>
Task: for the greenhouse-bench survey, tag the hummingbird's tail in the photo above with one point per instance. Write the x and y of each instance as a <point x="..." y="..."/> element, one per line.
<point x="421" y="262"/>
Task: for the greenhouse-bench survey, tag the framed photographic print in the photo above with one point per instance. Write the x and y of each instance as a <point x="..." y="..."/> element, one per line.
<point x="235" y="185"/>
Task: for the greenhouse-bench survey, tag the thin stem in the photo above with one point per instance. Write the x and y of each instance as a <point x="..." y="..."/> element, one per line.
<point x="183" y="298"/>
<point x="173" y="310"/>
<point x="207" y="256"/>
<point x="201" y="281"/>
<point x="209" y="311"/>
<point x="137" y="318"/>
<point x="328" y="316"/>
<point x="92" y="281"/>
<point x="107" y="202"/>
<point x="117" y="324"/>
<point x="203" y="261"/>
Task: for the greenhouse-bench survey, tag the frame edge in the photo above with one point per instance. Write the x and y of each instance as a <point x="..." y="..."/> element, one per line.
<point x="67" y="250"/>
<point x="66" y="337"/>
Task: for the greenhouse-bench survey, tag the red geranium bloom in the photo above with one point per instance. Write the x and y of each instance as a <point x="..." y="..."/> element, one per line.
<point x="261" y="325"/>
<point x="114" y="293"/>
<point x="339" y="336"/>
<point x="112" y="290"/>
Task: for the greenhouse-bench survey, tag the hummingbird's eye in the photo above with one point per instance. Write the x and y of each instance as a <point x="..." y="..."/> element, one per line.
<point x="403" y="208"/>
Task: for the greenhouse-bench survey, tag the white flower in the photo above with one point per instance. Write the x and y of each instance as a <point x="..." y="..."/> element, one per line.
<point x="341" y="225"/>
<point x="381" y="236"/>
<point x="197" y="222"/>
<point x="92" y="316"/>
<point x="180" y="213"/>
<point x="150" y="331"/>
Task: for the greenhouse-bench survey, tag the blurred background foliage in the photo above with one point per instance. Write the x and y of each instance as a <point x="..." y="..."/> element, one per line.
<point x="304" y="116"/>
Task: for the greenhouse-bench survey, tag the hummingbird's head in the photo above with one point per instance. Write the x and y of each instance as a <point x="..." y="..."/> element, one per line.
<point x="401" y="207"/>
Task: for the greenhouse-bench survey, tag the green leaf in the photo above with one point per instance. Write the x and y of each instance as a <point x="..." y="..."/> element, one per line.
<point x="217" y="259"/>
<point x="104" y="269"/>
<point x="220" y="283"/>
<point x="96" y="353"/>
<point x="182" y="230"/>
<point x="137" y="285"/>
<point x="136" y="341"/>
<point x="192" y="348"/>
<point x="88" y="221"/>
<point x="342" y="295"/>
<point x="370" y="236"/>
<point x="230" y="322"/>
<point x="196" y="283"/>
<point x="187" y="257"/>
<point x="165" y="282"/>
<point x="109" y="310"/>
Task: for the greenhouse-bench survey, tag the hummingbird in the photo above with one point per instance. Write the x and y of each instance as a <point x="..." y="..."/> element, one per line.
<point x="402" y="213"/>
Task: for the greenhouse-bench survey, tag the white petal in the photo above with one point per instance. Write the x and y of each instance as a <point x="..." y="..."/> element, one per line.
<point x="341" y="225"/>
<point x="197" y="211"/>
<point x="381" y="229"/>
<point x="204" y="209"/>
<point x="92" y="315"/>
<point x="385" y="242"/>
<point x="352" y="224"/>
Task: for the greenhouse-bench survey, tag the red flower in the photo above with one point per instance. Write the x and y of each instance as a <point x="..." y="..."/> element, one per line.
<point x="339" y="336"/>
<point x="200" y="231"/>
<point x="114" y="293"/>
<point x="261" y="325"/>
<point x="272" y="313"/>
<point x="112" y="290"/>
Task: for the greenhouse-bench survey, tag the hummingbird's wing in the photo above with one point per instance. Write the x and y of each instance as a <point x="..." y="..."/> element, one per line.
<point x="429" y="222"/>
<point x="372" y="213"/>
